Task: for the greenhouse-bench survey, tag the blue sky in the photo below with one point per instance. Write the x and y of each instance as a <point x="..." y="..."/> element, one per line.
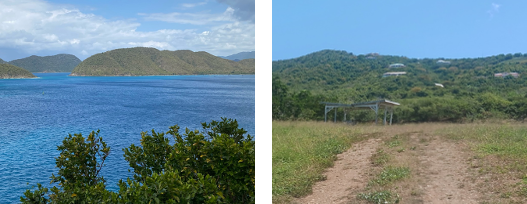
<point x="84" y="28"/>
<point x="416" y="29"/>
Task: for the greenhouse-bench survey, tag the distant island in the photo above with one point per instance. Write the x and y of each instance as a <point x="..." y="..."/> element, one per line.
<point x="240" y="56"/>
<point x="55" y="63"/>
<point x="140" y="61"/>
<point x="8" y="71"/>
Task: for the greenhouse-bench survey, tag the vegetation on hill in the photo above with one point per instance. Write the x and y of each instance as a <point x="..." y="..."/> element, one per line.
<point x="2" y="61"/>
<point x="55" y="63"/>
<point x="8" y="71"/>
<point x="471" y="90"/>
<point x="213" y="166"/>
<point x="241" y="56"/>
<point x="150" y="61"/>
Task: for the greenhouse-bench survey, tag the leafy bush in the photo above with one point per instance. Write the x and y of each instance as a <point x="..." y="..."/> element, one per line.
<point x="213" y="166"/>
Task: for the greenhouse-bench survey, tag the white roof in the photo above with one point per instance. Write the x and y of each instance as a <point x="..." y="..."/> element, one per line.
<point x="395" y="73"/>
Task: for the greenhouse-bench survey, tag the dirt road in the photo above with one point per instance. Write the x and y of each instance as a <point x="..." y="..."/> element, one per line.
<point x="440" y="172"/>
<point x="350" y="173"/>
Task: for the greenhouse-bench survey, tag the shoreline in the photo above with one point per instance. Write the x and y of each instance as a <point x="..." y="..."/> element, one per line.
<point x="23" y="78"/>
<point x="158" y="75"/>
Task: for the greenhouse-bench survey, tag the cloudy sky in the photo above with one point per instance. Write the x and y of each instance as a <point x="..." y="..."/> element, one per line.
<point x="412" y="28"/>
<point x="84" y="28"/>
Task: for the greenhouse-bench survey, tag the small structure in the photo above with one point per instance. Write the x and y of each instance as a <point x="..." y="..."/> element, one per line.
<point x="440" y="85"/>
<point x="373" y="105"/>
<point x="393" y="74"/>
<point x="373" y="55"/>
<point x="504" y="74"/>
<point x="396" y="65"/>
<point x="442" y="62"/>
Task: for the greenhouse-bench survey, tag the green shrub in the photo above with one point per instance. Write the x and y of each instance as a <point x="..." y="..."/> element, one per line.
<point x="213" y="166"/>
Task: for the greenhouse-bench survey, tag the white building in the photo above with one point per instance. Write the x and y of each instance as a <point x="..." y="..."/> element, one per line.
<point x="440" y="85"/>
<point x="442" y="62"/>
<point x="393" y="74"/>
<point x="504" y="74"/>
<point x="396" y="65"/>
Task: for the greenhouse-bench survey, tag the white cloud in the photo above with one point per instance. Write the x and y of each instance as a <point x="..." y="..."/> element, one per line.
<point x="494" y="9"/>
<point x="35" y="25"/>
<point x="192" y="18"/>
<point x="243" y="9"/>
<point x="193" y="5"/>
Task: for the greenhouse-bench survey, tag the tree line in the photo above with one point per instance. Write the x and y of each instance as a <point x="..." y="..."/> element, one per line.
<point x="470" y="90"/>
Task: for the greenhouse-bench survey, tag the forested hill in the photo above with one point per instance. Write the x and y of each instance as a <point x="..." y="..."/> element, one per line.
<point x="55" y="63"/>
<point x="2" y="61"/>
<point x="241" y="56"/>
<point x="8" y="71"/>
<point x="150" y="61"/>
<point x="472" y="87"/>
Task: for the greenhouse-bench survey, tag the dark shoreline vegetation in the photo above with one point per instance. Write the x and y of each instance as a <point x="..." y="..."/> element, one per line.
<point x="8" y="71"/>
<point x="473" y="88"/>
<point x="140" y="61"/>
<point x="215" y="165"/>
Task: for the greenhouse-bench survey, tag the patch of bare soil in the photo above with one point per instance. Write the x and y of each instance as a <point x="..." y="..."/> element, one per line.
<point x="349" y="173"/>
<point x="444" y="171"/>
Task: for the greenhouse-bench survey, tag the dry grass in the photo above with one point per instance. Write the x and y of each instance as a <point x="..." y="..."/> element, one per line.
<point x="302" y="150"/>
<point x="401" y="154"/>
<point x="495" y="157"/>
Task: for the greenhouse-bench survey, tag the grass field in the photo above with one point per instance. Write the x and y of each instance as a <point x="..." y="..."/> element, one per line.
<point x="497" y="153"/>
<point x="302" y="150"/>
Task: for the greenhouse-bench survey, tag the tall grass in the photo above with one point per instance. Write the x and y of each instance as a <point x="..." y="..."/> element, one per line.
<point x="302" y="150"/>
<point x="509" y="140"/>
<point x="503" y="152"/>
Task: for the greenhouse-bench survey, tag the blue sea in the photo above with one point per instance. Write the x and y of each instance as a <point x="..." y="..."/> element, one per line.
<point x="37" y="114"/>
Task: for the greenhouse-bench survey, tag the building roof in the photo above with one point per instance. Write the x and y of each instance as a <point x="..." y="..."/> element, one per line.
<point x="393" y="73"/>
<point x="381" y="102"/>
<point x="365" y="105"/>
<point x="504" y="74"/>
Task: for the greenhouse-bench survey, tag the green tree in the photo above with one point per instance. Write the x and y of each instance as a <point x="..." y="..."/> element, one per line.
<point x="212" y="166"/>
<point x="80" y="162"/>
<point x="226" y="157"/>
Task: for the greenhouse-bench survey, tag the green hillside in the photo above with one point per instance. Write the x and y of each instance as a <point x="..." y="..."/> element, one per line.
<point x="471" y="91"/>
<point x="241" y="56"/>
<point x="150" y="61"/>
<point x="55" y="63"/>
<point x="8" y="71"/>
<point x="2" y="61"/>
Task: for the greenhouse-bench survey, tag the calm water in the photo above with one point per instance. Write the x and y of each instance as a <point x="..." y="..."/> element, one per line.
<point x="36" y="115"/>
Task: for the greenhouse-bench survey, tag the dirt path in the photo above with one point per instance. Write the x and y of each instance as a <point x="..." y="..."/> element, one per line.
<point x="446" y="173"/>
<point x="441" y="173"/>
<point x="349" y="173"/>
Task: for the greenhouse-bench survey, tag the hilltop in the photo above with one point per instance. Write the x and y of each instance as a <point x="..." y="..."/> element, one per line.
<point x="150" y="61"/>
<point x="241" y="56"/>
<point x="2" y="61"/>
<point x="431" y="89"/>
<point x="55" y="63"/>
<point x="328" y="70"/>
<point x="8" y="71"/>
